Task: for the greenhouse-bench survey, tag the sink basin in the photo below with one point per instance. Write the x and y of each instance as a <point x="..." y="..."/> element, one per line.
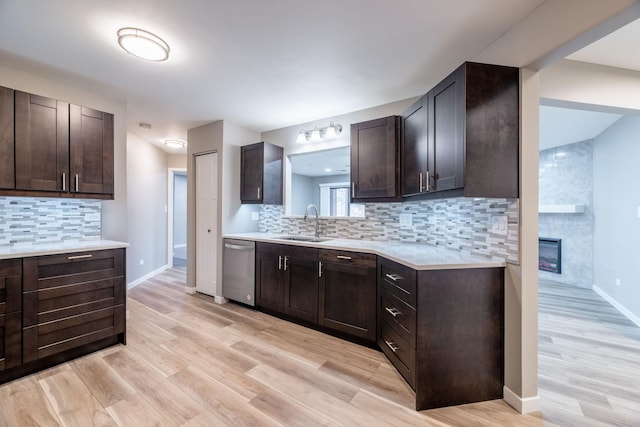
<point x="303" y="238"/>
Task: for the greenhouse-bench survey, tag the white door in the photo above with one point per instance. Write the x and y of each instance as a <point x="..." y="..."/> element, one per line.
<point x="206" y="223"/>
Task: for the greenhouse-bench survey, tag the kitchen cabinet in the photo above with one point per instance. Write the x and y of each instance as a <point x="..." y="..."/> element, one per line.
<point x="375" y="160"/>
<point x="347" y="301"/>
<point x="261" y="175"/>
<point x="287" y="280"/>
<point x="60" y="150"/>
<point x="7" y="153"/>
<point x="72" y="300"/>
<point x="10" y="313"/>
<point x="462" y="137"/>
<point x="444" y="331"/>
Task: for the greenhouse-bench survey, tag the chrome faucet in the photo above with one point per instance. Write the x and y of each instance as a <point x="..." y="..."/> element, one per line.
<point x="306" y="214"/>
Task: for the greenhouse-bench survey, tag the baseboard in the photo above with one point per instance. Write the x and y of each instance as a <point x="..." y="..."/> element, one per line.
<point x="621" y="308"/>
<point x="523" y="405"/>
<point x="146" y="277"/>
<point x="220" y="300"/>
<point x="191" y="290"/>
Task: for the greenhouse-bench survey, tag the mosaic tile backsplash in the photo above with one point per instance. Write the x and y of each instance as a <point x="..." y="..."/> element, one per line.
<point x="461" y="224"/>
<point x="26" y="220"/>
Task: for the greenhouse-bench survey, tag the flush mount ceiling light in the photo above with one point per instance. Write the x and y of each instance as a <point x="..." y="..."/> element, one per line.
<point x="317" y="134"/>
<point x="143" y="44"/>
<point x="174" y="143"/>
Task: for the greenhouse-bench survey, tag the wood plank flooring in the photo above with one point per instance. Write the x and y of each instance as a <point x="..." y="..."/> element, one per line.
<point x="191" y="362"/>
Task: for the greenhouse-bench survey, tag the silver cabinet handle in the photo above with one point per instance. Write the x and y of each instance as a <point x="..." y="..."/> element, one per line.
<point x="77" y="183"/>
<point x="421" y="184"/>
<point x="343" y="257"/>
<point x="393" y="311"/>
<point x="64" y="181"/>
<point x="392" y="345"/>
<point x="79" y="257"/>
<point x="393" y="277"/>
<point x="258" y="192"/>
<point x="238" y="247"/>
<point x="286" y="258"/>
<point x="279" y="262"/>
<point x="353" y="189"/>
<point x="319" y="268"/>
<point x="428" y="182"/>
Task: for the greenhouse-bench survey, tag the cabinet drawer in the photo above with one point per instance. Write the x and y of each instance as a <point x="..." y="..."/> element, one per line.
<point x="346" y="257"/>
<point x="400" y="280"/>
<point x="399" y="352"/>
<point x="398" y="315"/>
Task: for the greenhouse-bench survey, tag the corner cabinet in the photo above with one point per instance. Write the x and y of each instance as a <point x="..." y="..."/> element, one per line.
<point x="7" y="153"/>
<point x="375" y="160"/>
<point x="261" y="174"/>
<point x="466" y="131"/>
<point x="10" y="313"/>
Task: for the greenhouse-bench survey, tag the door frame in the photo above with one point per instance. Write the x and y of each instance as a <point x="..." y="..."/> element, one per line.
<point x="170" y="206"/>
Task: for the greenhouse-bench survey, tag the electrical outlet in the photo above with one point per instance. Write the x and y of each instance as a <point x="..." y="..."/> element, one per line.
<point x="617" y="282"/>
<point x="255" y="216"/>
<point x="499" y="224"/>
<point x="406" y="220"/>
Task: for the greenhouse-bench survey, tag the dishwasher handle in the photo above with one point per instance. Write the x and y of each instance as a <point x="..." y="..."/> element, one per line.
<point x="238" y="247"/>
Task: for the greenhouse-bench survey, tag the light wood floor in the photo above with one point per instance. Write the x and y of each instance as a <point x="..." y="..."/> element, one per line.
<point x="191" y="362"/>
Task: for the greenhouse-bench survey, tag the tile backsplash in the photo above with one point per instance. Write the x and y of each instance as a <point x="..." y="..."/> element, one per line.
<point x="461" y="224"/>
<point x="26" y="220"/>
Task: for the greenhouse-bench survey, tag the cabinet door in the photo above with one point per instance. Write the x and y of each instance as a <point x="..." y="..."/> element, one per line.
<point x="414" y="148"/>
<point x="41" y="143"/>
<point x="301" y="288"/>
<point x="251" y="173"/>
<point x="7" y="152"/>
<point x="446" y="132"/>
<point x="10" y="340"/>
<point x="348" y="299"/>
<point x="269" y="281"/>
<point x="91" y="145"/>
<point x="10" y="313"/>
<point x="375" y="159"/>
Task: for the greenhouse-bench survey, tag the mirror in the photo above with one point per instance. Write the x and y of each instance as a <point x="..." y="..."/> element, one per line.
<point x="323" y="178"/>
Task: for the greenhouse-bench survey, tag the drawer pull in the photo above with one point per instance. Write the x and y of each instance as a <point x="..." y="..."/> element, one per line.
<point x="79" y="257"/>
<point x="391" y="345"/>
<point x="393" y="277"/>
<point x="393" y="311"/>
<point x="343" y="257"/>
<point x="319" y="268"/>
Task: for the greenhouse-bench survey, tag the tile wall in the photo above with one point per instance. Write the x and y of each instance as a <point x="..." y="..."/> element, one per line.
<point x="461" y="224"/>
<point x="26" y="220"/>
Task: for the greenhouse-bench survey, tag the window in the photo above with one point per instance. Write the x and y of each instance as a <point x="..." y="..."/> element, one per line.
<point x="338" y="200"/>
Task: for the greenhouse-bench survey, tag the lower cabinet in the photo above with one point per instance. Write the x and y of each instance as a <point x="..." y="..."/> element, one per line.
<point x="348" y="292"/>
<point x="71" y="300"/>
<point x="10" y="313"/>
<point x="287" y="280"/>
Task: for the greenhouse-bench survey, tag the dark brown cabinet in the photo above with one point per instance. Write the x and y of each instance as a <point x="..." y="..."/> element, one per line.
<point x="444" y="331"/>
<point x="287" y="280"/>
<point x="347" y="300"/>
<point x="7" y="153"/>
<point x="462" y="137"/>
<point x="375" y="159"/>
<point x="72" y="300"/>
<point x="261" y="179"/>
<point x="10" y="313"/>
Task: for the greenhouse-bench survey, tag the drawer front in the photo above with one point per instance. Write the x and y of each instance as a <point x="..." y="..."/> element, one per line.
<point x="346" y="257"/>
<point x="399" y="315"/>
<point x="399" y="352"/>
<point x="401" y="280"/>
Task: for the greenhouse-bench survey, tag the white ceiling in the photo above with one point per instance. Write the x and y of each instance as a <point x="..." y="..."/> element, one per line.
<point x="561" y="126"/>
<point x="322" y="163"/>
<point x="263" y="65"/>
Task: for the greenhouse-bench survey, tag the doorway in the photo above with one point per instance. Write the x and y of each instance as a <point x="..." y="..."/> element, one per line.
<point x="177" y="218"/>
<point x="206" y="223"/>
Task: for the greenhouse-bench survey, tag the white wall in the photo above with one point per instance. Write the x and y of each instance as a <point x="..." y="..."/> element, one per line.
<point x="617" y="213"/>
<point x="147" y="208"/>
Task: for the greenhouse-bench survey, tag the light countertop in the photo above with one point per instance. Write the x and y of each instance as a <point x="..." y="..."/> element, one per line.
<point x="416" y="256"/>
<point x="23" y="251"/>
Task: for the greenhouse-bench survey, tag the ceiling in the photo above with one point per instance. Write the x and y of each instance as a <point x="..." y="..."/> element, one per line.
<point x="561" y="126"/>
<point x="262" y="65"/>
<point x="322" y="163"/>
<point x="267" y="65"/>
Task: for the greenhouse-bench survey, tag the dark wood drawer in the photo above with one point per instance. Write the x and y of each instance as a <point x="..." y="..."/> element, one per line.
<point x="347" y="257"/>
<point x="10" y="286"/>
<point x="399" y="352"/>
<point x="401" y="280"/>
<point x="399" y="315"/>
<point x="287" y="250"/>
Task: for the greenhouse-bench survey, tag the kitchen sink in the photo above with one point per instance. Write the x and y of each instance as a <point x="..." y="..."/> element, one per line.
<point x="303" y="238"/>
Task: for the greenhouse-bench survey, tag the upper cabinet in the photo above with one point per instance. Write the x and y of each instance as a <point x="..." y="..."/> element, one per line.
<point x="7" y="174"/>
<point x="261" y="176"/>
<point x="375" y="159"/>
<point x="466" y="132"/>
<point x="58" y="149"/>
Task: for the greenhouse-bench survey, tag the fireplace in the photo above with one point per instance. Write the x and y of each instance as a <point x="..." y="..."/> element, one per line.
<point x="550" y="255"/>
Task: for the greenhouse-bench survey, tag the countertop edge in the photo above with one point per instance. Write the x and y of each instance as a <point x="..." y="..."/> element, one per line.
<point x="26" y="251"/>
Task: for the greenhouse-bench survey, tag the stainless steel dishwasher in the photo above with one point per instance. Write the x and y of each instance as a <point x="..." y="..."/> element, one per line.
<point x="238" y="275"/>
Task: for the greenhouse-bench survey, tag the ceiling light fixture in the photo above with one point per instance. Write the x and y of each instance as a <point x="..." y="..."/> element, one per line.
<point x="174" y="143"/>
<point x="143" y="44"/>
<point x="317" y="134"/>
